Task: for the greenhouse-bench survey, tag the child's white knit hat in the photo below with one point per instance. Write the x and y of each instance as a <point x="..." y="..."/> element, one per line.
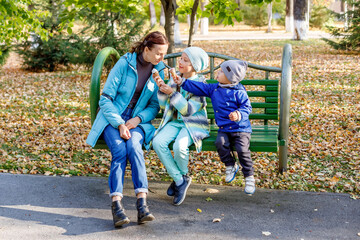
<point x="198" y="58"/>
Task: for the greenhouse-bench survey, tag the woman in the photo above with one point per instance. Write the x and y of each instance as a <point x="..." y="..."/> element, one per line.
<point x="127" y="105"/>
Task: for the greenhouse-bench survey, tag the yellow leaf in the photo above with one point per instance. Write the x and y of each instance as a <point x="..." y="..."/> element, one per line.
<point x="335" y="179"/>
<point x="199" y="210"/>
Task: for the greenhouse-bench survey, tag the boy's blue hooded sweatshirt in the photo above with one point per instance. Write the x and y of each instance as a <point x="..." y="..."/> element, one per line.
<point x="224" y="101"/>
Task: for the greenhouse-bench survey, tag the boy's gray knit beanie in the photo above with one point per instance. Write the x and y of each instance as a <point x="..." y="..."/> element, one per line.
<point x="234" y="70"/>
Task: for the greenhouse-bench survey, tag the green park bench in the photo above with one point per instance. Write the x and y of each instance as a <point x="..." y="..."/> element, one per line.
<point x="270" y="100"/>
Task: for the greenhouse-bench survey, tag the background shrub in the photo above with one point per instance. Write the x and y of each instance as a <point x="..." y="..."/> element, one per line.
<point x="4" y="51"/>
<point x="320" y="15"/>
<point x="255" y="15"/>
<point x="98" y="30"/>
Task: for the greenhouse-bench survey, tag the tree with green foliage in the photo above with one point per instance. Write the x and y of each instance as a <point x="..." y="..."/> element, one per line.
<point x="17" y="21"/>
<point x="116" y="24"/>
<point x="320" y="15"/>
<point x="223" y="11"/>
<point x="347" y="38"/>
<point x="47" y="54"/>
<point x="255" y="15"/>
<point x="107" y="23"/>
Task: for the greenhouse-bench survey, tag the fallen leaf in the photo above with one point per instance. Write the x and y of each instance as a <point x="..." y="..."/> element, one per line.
<point x="266" y="233"/>
<point x="216" y="220"/>
<point x="272" y="211"/>
<point x="199" y="210"/>
<point x="208" y="199"/>
<point x="211" y="190"/>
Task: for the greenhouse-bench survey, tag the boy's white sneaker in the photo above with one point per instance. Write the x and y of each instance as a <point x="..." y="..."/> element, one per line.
<point x="231" y="172"/>
<point x="249" y="185"/>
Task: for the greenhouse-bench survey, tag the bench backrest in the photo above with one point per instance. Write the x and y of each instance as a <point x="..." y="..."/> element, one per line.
<point x="263" y="93"/>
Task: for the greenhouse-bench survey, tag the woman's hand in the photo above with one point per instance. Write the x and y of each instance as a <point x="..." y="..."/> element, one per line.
<point x="166" y="89"/>
<point x="132" y="122"/>
<point x="124" y="132"/>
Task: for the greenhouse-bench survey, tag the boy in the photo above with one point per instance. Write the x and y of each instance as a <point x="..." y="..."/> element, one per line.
<point x="232" y="108"/>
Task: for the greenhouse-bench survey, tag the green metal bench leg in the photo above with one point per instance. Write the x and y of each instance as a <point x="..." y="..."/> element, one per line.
<point x="283" y="155"/>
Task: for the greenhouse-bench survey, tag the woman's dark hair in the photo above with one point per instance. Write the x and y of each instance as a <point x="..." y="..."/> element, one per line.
<point x="149" y="41"/>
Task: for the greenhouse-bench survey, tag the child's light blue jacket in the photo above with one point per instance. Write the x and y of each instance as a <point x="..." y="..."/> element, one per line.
<point x="118" y="91"/>
<point x="192" y="111"/>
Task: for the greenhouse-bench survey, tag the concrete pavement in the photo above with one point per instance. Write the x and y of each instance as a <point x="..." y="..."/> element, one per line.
<point x="46" y="207"/>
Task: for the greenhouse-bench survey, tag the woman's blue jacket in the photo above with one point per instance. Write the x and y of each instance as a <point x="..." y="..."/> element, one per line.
<point x="118" y="91"/>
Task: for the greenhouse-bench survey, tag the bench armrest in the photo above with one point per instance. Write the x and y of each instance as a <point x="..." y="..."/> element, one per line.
<point x="96" y="77"/>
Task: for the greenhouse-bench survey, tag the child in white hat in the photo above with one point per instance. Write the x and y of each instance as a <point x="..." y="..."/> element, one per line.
<point x="232" y="108"/>
<point x="184" y="122"/>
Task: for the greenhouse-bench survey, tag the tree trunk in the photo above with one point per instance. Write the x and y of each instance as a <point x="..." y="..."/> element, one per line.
<point x="346" y="24"/>
<point x="204" y="21"/>
<point x="177" y="38"/>
<point x="192" y="21"/>
<point x="196" y="25"/>
<point x="289" y="20"/>
<point x="238" y="2"/>
<point x="162" y="16"/>
<point x="269" y="11"/>
<point x="169" y="8"/>
<point x="152" y="13"/>
<point x="301" y="25"/>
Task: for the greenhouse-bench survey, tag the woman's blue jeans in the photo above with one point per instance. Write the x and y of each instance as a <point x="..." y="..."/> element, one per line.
<point x="121" y="150"/>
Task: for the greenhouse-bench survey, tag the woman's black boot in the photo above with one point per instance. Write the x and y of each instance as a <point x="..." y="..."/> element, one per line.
<point x="118" y="213"/>
<point x="143" y="211"/>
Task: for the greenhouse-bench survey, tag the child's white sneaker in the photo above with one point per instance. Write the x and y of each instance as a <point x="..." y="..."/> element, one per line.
<point x="231" y="172"/>
<point x="249" y="185"/>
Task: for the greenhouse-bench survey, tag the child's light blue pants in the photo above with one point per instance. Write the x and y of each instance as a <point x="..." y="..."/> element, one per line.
<point x="178" y="165"/>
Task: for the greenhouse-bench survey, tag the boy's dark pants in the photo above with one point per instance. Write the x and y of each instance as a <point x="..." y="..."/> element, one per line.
<point x="241" y="141"/>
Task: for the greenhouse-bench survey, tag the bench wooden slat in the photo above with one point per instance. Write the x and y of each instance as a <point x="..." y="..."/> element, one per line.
<point x="271" y="110"/>
<point x="262" y="94"/>
<point x="255" y="128"/>
<point x="272" y="99"/>
<point x="266" y="128"/>
<point x="264" y="105"/>
<point x="262" y="143"/>
<point x="253" y="116"/>
<point x="263" y="116"/>
<point x="252" y="82"/>
<point x="255" y="148"/>
<point x="272" y="88"/>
